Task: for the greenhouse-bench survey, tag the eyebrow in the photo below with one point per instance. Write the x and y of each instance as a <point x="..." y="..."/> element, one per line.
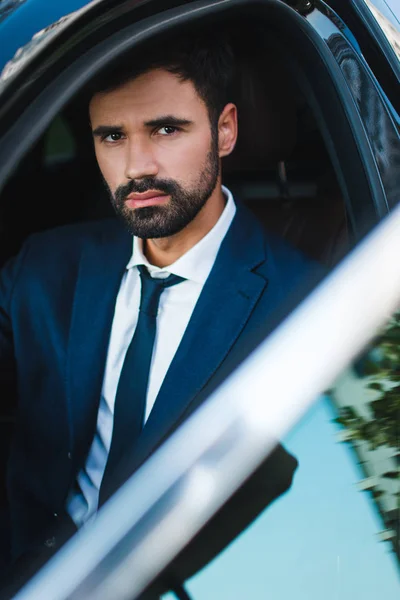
<point x="168" y="120"/>
<point x="105" y="130"/>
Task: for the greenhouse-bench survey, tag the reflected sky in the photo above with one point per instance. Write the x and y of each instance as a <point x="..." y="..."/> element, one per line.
<point x="318" y="541"/>
<point x="30" y="18"/>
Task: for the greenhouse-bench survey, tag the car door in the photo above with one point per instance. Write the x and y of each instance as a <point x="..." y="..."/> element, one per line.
<point x="351" y="114"/>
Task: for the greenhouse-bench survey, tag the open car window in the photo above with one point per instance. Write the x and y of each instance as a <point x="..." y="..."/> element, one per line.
<point x="129" y="549"/>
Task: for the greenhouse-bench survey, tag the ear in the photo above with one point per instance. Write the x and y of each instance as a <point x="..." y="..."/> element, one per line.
<point x="227" y="130"/>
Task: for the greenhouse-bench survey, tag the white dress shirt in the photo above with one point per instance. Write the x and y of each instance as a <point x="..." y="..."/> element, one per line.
<point x="175" y="309"/>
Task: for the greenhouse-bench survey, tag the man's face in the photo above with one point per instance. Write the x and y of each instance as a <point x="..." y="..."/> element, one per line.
<point x="155" y="149"/>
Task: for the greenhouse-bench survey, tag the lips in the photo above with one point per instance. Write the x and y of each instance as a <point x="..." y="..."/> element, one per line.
<point x="149" y="198"/>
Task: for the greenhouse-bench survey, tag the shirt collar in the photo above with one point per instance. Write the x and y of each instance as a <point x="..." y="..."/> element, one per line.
<point x="196" y="263"/>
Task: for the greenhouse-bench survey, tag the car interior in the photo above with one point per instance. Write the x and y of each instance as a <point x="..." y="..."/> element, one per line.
<point x="280" y="168"/>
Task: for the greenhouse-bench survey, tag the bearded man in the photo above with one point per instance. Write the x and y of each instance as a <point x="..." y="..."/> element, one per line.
<point x="115" y="331"/>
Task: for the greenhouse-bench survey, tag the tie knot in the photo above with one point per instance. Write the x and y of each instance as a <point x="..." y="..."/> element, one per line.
<point x="152" y="288"/>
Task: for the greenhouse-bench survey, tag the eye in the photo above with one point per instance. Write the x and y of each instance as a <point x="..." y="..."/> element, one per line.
<point x="115" y="136"/>
<point x="167" y="130"/>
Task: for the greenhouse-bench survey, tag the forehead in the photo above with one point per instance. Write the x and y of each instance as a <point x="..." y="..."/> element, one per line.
<point x="156" y="92"/>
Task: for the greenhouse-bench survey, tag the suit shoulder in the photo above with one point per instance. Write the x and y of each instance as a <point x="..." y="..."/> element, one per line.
<point x="290" y="266"/>
<point x="68" y="241"/>
<point x="77" y="233"/>
<point x="61" y="246"/>
<point x="279" y="255"/>
<point x="279" y="249"/>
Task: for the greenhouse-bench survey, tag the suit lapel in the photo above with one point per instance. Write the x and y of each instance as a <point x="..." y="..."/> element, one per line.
<point x="222" y="311"/>
<point x="102" y="265"/>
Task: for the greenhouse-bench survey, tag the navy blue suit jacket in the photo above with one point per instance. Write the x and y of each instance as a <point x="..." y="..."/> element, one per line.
<point x="57" y="302"/>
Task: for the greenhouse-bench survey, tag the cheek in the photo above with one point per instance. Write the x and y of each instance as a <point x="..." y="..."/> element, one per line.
<point x="188" y="161"/>
<point x="110" y="168"/>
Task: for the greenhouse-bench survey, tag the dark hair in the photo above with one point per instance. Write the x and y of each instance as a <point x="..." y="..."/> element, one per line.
<point x="208" y="62"/>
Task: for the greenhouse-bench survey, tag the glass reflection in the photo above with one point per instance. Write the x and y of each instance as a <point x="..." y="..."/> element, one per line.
<point x="380" y="128"/>
<point x="367" y="398"/>
<point x="335" y="534"/>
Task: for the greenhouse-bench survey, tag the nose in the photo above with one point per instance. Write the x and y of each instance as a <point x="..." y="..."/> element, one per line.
<point x="140" y="160"/>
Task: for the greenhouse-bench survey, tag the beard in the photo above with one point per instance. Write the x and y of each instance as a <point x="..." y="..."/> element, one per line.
<point x="185" y="203"/>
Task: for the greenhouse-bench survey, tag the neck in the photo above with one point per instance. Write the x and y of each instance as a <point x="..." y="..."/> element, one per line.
<point x="162" y="252"/>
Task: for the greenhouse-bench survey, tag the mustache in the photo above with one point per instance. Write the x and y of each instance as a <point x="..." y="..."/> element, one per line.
<point x="166" y="186"/>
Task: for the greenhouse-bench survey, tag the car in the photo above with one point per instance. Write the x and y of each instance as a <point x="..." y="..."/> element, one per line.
<point x="318" y="161"/>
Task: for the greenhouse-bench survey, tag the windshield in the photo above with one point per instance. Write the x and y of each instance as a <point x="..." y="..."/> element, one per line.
<point x="387" y="15"/>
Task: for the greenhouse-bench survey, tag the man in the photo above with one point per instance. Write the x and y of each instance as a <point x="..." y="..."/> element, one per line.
<point x="71" y="302"/>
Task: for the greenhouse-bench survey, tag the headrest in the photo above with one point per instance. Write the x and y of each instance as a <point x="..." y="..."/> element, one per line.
<point x="266" y="104"/>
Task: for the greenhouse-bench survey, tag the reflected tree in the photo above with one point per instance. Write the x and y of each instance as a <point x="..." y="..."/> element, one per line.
<point x="381" y="364"/>
<point x="369" y="412"/>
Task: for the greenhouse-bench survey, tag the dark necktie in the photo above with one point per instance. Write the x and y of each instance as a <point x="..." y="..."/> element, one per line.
<point x="130" y="399"/>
